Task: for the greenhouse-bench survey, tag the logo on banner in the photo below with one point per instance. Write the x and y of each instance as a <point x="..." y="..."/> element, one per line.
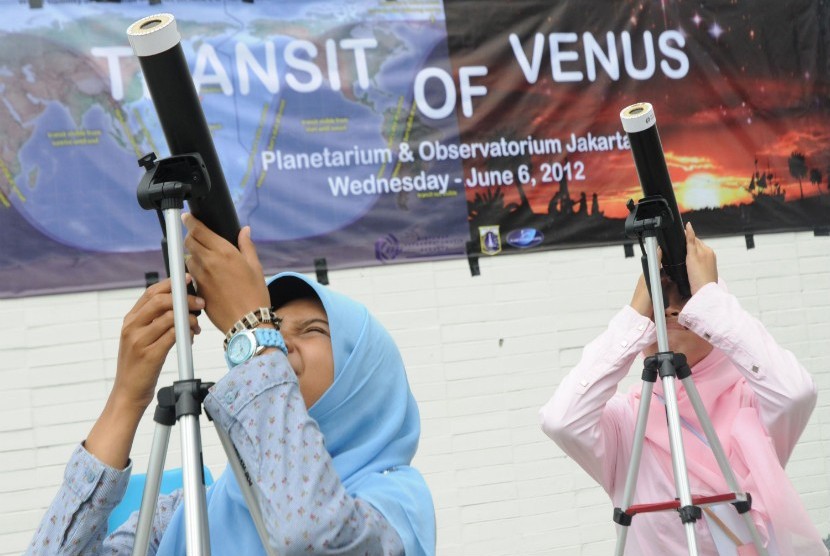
<point x="524" y="238"/>
<point x="490" y="239"/>
<point x="387" y="248"/>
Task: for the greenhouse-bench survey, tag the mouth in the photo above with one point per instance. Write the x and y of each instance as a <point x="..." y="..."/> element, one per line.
<point x="672" y="324"/>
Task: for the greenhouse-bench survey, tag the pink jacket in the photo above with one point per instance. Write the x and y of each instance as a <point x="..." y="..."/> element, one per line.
<point x="759" y="414"/>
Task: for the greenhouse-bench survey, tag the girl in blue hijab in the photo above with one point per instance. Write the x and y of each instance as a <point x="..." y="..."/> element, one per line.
<point x="325" y="425"/>
<point x="369" y="422"/>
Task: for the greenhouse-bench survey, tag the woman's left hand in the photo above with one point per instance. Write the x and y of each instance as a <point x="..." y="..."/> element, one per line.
<point x="701" y="262"/>
<point x="230" y="280"/>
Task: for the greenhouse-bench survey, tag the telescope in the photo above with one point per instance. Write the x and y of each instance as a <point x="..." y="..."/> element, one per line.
<point x="192" y="173"/>
<point x="156" y="42"/>
<point x="640" y="124"/>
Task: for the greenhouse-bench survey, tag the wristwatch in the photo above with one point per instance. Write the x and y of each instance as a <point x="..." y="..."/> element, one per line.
<point x="262" y="315"/>
<point x="246" y="343"/>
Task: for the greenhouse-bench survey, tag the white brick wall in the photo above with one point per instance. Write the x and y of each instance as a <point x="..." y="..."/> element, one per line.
<point x="483" y="353"/>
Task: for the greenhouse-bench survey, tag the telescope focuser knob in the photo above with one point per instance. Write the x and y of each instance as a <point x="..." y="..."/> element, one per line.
<point x="147" y="161"/>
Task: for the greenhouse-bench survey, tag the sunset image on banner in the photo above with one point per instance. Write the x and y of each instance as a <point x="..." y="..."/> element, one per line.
<point x="739" y="98"/>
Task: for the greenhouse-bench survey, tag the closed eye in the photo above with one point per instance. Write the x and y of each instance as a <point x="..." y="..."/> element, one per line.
<point x="313" y="325"/>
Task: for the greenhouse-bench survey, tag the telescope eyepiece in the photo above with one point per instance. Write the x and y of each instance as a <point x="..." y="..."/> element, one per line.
<point x="638" y="117"/>
<point x="150" y="23"/>
<point x="153" y="34"/>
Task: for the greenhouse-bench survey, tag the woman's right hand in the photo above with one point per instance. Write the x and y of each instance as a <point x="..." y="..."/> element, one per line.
<point x="147" y="334"/>
<point x="641" y="300"/>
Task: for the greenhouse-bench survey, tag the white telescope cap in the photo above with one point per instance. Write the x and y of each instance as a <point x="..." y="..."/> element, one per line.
<point x="638" y="117"/>
<point x="153" y="34"/>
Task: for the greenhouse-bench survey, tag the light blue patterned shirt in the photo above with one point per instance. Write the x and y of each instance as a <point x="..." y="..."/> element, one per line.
<point x="260" y="405"/>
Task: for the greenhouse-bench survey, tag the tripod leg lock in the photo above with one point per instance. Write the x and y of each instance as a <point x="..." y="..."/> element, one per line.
<point x="650" y="369"/>
<point x="681" y="366"/>
<point x="673" y="364"/>
<point x="622" y="518"/>
<point x="666" y="363"/>
<point x="743" y="506"/>
<point x="185" y="397"/>
<point x="690" y="514"/>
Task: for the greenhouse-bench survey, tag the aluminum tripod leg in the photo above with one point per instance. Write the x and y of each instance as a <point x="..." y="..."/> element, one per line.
<point x="195" y="504"/>
<point x="152" y="487"/>
<point x="681" y="478"/>
<point x="245" y="486"/>
<point x="634" y="463"/>
<point x="720" y="456"/>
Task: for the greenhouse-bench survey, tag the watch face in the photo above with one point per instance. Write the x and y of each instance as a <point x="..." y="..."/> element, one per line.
<point x="241" y="347"/>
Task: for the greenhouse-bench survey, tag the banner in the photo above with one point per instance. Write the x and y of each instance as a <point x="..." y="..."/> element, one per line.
<point x="740" y="92"/>
<point x="376" y="132"/>
<point x="311" y="107"/>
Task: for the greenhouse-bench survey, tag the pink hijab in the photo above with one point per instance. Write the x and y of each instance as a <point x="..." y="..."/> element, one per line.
<point x="730" y="404"/>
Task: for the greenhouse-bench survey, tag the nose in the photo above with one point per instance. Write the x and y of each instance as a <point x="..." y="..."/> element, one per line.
<point x="672" y="301"/>
<point x="289" y="342"/>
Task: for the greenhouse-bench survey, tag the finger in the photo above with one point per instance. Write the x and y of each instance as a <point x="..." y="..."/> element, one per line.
<point x="201" y="234"/>
<point x="157" y="316"/>
<point x="690" y="232"/>
<point x="194" y="325"/>
<point x="195" y="303"/>
<point x="691" y="239"/>
<point x="159" y="288"/>
<point x="194" y="264"/>
<point x="248" y="249"/>
<point x="153" y="303"/>
<point x="142" y="342"/>
<point x="161" y="305"/>
<point x="163" y="344"/>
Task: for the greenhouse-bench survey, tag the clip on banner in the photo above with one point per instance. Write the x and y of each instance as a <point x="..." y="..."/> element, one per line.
<point x="322" y="270"/>
<point x="472" y="259"/>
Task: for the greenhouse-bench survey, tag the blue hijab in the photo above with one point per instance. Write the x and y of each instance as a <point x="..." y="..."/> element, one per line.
<point x="371" y="424"/>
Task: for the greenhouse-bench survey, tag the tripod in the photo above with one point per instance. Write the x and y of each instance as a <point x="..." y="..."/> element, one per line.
<point x="164" y="187"/>
<point x="646" y="221"/>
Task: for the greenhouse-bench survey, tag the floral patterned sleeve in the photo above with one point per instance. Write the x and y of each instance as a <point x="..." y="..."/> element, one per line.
<point x="77" y="520"/>
<point x="301" y="497"/>
<point x="304" y="505"/>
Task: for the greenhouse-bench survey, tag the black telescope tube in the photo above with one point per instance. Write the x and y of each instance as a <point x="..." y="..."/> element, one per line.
<point x="640" y="124"/>
<point x="157" y="44"/>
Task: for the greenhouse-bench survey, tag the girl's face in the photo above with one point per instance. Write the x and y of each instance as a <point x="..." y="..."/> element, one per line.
<point x="305" y="328"/>
<point x="681" y="339"/>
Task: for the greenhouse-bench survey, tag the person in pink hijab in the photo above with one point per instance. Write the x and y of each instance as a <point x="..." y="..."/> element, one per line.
<point x="758" y="398"/>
